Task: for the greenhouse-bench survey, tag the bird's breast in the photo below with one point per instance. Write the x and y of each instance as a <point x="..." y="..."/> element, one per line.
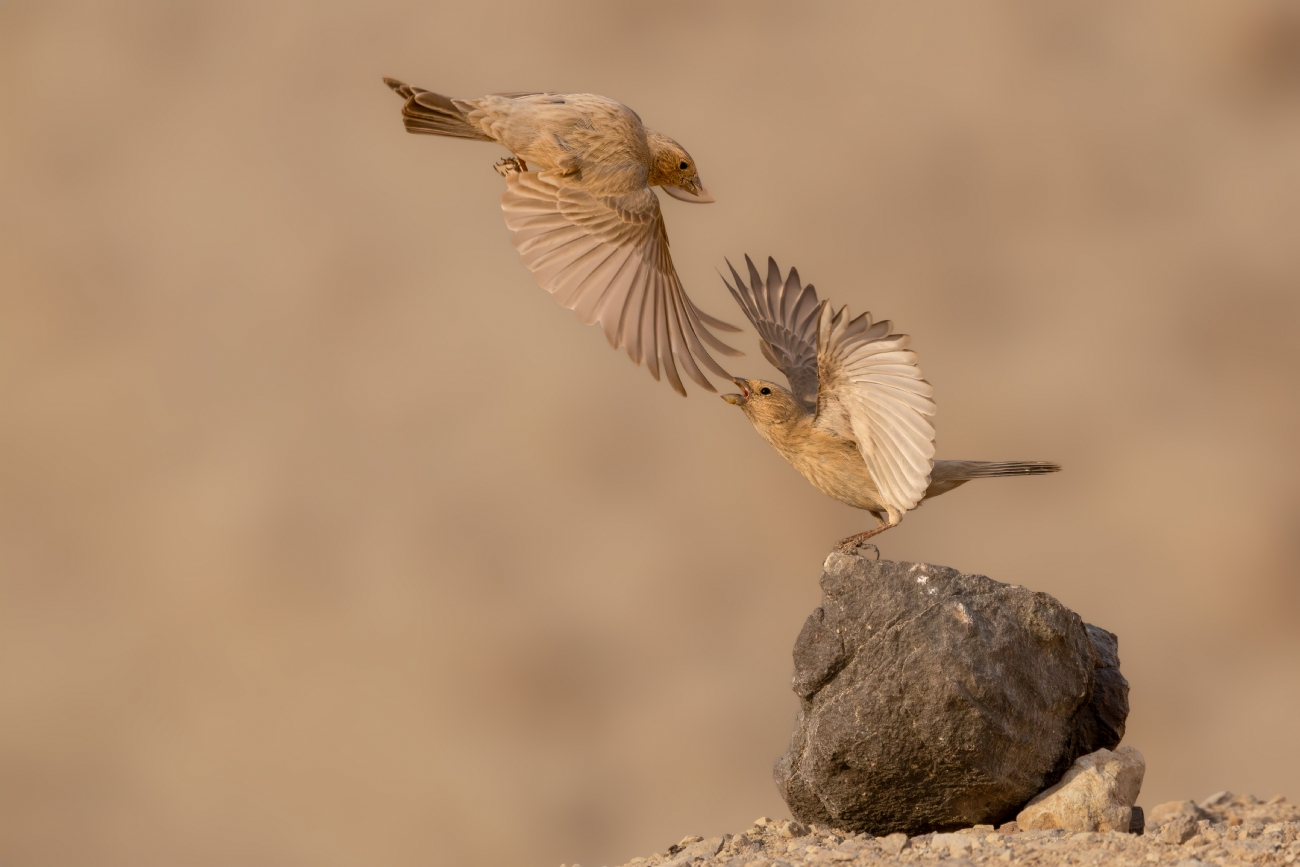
<point x="833" y="465"/>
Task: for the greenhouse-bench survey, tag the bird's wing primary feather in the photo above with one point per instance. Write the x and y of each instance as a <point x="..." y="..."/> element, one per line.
<point x="871" y="391"/>
<point x="607" y="260"/>
<point x="784" y="314"/>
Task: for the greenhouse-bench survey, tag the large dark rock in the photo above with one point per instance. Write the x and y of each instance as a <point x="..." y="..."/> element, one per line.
<point x="932" y="700"/>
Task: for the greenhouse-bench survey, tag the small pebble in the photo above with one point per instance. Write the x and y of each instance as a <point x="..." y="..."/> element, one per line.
<point x="792" y="829"/>
<point x="894" y="843"/>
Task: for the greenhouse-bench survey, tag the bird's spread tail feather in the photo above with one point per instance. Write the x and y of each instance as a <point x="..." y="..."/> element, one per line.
<point x="433" y="114"/>
<point x="963" y="470"/>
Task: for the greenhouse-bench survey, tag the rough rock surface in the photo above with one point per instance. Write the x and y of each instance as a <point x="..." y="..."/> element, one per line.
<point x="933" y="700"/>
<point x="1097" y="793"/>
<point x="1235" y="832"/>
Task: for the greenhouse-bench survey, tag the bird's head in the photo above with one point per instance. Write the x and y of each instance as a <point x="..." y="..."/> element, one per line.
<point x="672" y="168"/>
<point x="765" y="403"/>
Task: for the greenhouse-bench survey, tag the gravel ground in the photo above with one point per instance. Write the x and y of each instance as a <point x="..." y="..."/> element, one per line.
<point x="1235" y="830"/>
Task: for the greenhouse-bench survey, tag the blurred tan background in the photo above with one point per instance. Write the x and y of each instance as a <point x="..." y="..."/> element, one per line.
<point x="327" y="538"/>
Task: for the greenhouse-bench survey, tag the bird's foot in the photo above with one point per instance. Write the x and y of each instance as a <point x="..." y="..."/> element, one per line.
<point x="863" y="546"/>
<point x="507" y="166"/>
<point x="858" y="540"/>
<point x="851" y="544"/>
<point x="856" y="548"/>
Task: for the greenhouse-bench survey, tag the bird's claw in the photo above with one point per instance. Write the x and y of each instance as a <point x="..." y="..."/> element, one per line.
<point x="507" y="166"/>
<point x="856" y="548"/>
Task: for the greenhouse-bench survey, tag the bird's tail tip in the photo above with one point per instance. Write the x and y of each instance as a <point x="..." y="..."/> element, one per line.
<point x="1014" y="468"/>
<point x="433" y="113"/>
<point x="400" y="87"/>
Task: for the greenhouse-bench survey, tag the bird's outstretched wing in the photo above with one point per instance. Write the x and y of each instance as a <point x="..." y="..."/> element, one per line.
<point x="870" y="390"/>
<point x="784" y="314"/>
<point x="607" y="260"/>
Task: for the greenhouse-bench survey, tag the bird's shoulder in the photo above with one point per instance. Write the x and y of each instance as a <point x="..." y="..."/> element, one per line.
<point x="594" y="103"/>
<point x="827" y="443"/>
<point x="605" y="132"/>
<point x="589" y="104"/>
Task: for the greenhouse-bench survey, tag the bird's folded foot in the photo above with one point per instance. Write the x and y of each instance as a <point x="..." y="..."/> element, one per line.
<point x="862" y="549"/>
<point x="854" y="548"/>
<point x="507" y="166"/>
<point x="848" y="544"/>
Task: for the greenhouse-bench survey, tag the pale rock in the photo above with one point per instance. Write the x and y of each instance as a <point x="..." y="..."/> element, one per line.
<point x="1162" y="813"/>
<point x="693" y="849"/>
<point x="1215" y="800"/>
<point x="1097" y="793"/>
<point x="894" y="843"/>
<point x="1178" y="830"/>
<point x="956" y="844"/>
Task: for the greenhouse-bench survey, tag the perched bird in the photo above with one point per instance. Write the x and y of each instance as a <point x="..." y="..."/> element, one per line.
<point x="588" y="224"/>
<point x="856" y="419"/>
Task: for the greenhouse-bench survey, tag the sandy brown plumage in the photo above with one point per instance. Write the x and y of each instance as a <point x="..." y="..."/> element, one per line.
<point x="586" y="221"/>
<point x="856" y="419"/>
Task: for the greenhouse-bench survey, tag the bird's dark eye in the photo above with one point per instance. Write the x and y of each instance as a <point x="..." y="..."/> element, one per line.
<point x="765" y="390"/>
<point x="684" y="166"/>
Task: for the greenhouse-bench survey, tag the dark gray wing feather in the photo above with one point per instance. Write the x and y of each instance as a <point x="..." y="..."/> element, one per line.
<point x="784" y="314"/>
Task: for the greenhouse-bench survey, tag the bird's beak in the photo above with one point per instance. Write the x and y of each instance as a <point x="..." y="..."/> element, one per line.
<point x="738" y="399"/>
<point x="693" y="192"/>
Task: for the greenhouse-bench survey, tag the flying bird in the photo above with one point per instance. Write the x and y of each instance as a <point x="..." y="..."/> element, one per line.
<point x="855" y="420"/>
<point x="586" y="222"/>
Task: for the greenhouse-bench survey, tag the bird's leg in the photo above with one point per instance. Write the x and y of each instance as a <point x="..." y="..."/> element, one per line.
<point x="507" y="166"/>
<point x="848" y="543"/>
